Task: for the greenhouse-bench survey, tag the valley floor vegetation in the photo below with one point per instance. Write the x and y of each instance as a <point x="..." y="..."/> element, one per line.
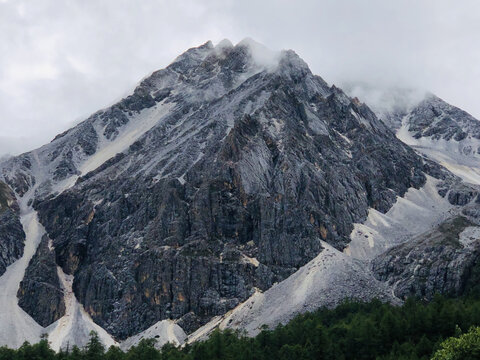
<point x="442" y="329"/>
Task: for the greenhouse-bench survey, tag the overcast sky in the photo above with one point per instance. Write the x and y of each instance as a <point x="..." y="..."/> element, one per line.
<point x="62" y="60"/>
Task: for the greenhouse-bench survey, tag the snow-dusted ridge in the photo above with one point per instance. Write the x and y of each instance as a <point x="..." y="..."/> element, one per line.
<point x="130" y="133"/>
<point x="74" y="327"/>
<point x="176" y="127"/>
<point x="460" y="157"/>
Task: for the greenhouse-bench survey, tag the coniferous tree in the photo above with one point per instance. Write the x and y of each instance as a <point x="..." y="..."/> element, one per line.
<point x="145" y="350"/>
<point x="114" y="353"/>
<point x="95" y="348"/>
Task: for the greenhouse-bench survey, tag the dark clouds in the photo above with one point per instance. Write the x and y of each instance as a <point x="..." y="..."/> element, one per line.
<point x="62" y="60"/>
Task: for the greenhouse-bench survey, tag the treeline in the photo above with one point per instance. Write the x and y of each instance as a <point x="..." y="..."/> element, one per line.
<point x="351" y="331"/>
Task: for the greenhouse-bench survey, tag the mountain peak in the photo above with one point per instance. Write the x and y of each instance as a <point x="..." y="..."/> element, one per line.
<point x="261" y="55"/>
<point x="224" y="44"/>
<point x="221" y="174"/>
<point x="256" y="54"/>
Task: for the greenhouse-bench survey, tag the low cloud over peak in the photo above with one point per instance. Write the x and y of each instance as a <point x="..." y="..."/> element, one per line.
<point x="62" y="61"/>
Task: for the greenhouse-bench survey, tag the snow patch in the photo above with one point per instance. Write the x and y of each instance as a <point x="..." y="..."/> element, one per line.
<point x="460" y="157"/>
<point x="418" y="211"/>
<point x="165" y="331"/>
<point x="16" y="325"/>
<point x="469" y="236"/>
<point x="75" y="326"/>
<point x="134" y="129"/>
<point x="325" y="281"/>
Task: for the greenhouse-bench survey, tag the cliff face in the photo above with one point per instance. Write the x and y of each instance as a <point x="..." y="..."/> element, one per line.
<point x="445" y="260"/>
<point x="221" y="175"/>
<point x="40" y="293"/>
<point x="245" y="169"/>
<point x="12" y="236"/>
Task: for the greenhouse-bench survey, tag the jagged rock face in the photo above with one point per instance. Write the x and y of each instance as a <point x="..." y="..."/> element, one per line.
<point x="40" y="293"/>
<point x="12" y="236"/>
<point x="232" y="190"/>
<point x="440" y="132"/>
<point x="445" y="260"/>
<point x="434" y="118"/>
<point x="17" y="173"/>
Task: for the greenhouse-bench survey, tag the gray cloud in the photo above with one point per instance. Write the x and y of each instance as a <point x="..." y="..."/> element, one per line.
<point x="62" y="60"/>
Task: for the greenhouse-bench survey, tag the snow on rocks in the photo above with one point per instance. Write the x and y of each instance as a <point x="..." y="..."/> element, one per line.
<point x="130" y="133"/>
<point x="469" y="236"/>
<point x="16" y="325"/>
<point x="75" y="326"/>
<point x="325" y="281"/>
<point x="462" y="157"/>
<point x="418" y="211"/>
<point x="164" y="331"/>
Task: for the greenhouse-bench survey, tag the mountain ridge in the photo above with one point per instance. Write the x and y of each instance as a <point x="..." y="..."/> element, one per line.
<point x="218" y="177"/>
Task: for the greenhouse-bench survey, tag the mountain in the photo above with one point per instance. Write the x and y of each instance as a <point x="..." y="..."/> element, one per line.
<point x="234" y="188"/>
<point x="445" y="258"/>
<point x="436" y="129"/>
<point x="446" y="134"/>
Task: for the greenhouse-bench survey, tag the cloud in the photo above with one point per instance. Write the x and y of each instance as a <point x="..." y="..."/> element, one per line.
<point x="385" y="100"/>
<point x="63" y="60"/>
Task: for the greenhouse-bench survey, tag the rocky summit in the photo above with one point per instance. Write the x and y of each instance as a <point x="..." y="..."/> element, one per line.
<point x="230" y="177"/>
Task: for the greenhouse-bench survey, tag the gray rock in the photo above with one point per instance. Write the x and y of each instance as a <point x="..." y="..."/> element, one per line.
<point x="436" y="262"/>
<point x="40" y="293"/>
<point x="462" y="194"/>
<point x="12" y="236"/>
<point x="231" y="192"/>
<point x="440" y="120"/>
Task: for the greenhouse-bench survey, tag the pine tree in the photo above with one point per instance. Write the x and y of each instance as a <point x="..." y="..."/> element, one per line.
<point x="114" y="353"/>
<point x="94" y="349"/>
<point x="145" y="350"/>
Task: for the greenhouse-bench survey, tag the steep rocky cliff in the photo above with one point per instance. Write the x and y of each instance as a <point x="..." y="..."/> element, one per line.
<point x="445" y="134"/>
<point x="221" y="175"/>
<point x="245" y="166"/>
<point x="12" y="236"/>
<point x="440" y="261"/>
<point x="445" y="258"/>
<point x="40" y="293"/>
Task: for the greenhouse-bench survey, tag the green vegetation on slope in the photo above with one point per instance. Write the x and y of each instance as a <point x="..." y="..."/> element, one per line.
<point x="372" y="330"/>
<point x="464" y="347"/>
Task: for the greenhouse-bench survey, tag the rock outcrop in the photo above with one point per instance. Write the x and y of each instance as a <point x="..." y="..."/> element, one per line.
<point x="221" y="175"/>
<point x="441" y="261"/>
<point x="40" y="293"/>
<point x="436" y="119"/>
<point x="231" y="191"/>
<point x="12" y="236"/>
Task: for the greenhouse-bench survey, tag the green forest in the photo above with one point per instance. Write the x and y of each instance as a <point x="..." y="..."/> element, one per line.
<point x="444" y="328"/>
